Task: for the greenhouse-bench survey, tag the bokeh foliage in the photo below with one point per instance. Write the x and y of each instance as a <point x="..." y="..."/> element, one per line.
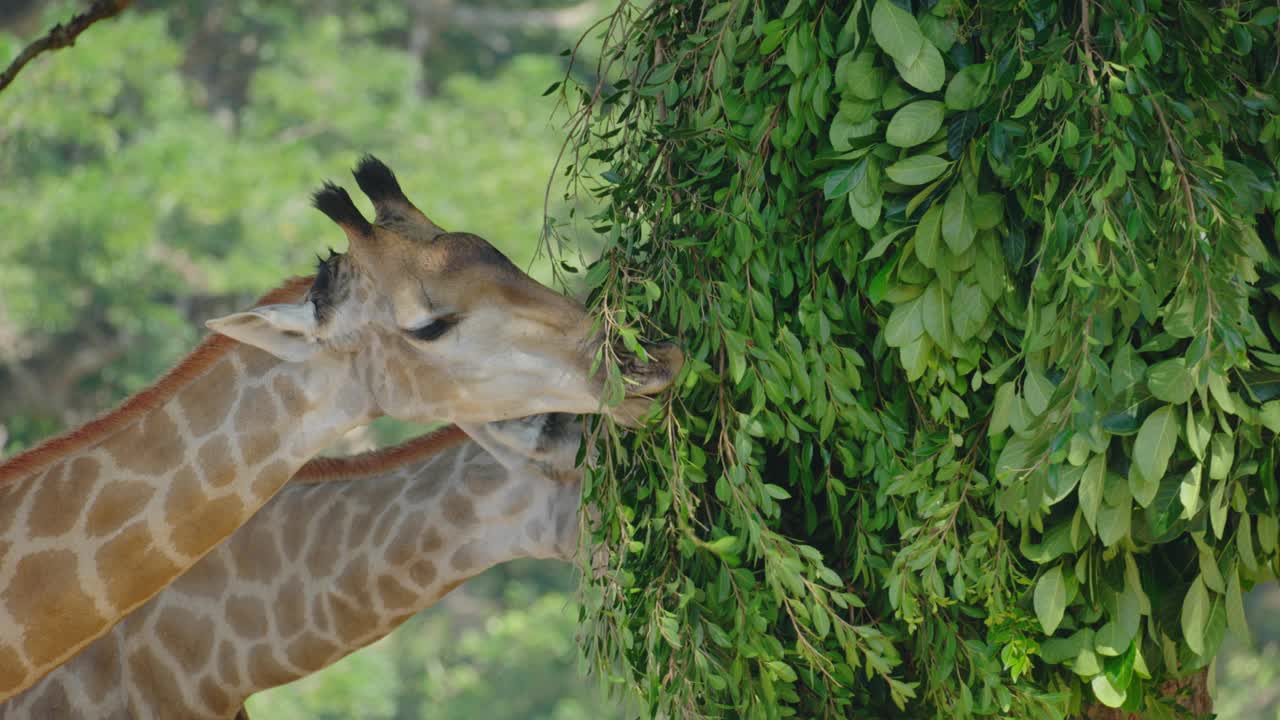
<point x="982" y="313"/>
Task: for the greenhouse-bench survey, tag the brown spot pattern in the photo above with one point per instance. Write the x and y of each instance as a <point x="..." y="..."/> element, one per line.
<point x="430" y="541"/>
<point x="311" y="652"/>
<point x="290" y="395"/>
<point x="485" y="479"/>
<point x="187" y="637"/>
<point x="207" y="524"/>
<point x="103" y="669"/>
<point x="290" y="608"/>
<point x="151" y="447"/>
<point x="228" y="664"/>
<point x="53" y="702"/>
<point x="53" y="508"/>
<point x="467" y="557"/>
<point x="262" y="561"/>
<point x="257" y="362"/>
<point x="257" y="410"/>
<point x="271" y="478"/>
<point x="206" y="579"/>
<point x="294" y="530"/>
<point x="404" y="545"/>
<point x="386" y="521"/>
<point x="358" y="529"/>
<point x="320" y="613"/>
<point x="264" y="669"/>
<point x="214" y="457"/>
<point x="423" y="573"/>
<point x="185" y="491"/>
<point x="11" y="675"/>
<point x="213" y="697"/>
<point x="132" y="568"/>
<point x="207" y="401"/>
<point x="247" y="615"/>
<point x="354" y="581"/>
<point x="350" y="621"/>
<point x="457" y="509"/>
<point x="394" y="595"/>
<point x="116" y="504"/>
<point x="147" y="668"/>
<point x="258" y="445"/>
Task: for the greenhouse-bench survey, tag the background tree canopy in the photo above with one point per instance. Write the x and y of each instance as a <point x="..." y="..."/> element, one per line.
<point x="984" y="317"/>
<point x="158" y="173"/>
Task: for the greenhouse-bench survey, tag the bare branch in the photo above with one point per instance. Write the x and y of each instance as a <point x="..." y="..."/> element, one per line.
<point x="63" y="35"/>
<point x="568" y="18"/>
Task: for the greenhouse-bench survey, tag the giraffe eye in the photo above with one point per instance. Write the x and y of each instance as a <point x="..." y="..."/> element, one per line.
<point x="434" y="329"/>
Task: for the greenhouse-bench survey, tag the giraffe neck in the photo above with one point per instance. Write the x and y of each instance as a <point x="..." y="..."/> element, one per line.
<point x="324" y="569"/>
<point x="88" y="536"/>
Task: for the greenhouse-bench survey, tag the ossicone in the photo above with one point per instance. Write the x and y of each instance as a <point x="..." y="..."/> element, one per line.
<point x="378" y="182"/>
<point x="334" y="202"/>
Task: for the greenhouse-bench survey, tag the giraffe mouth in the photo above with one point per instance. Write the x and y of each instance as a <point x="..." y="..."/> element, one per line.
<point x="659" y="373"/>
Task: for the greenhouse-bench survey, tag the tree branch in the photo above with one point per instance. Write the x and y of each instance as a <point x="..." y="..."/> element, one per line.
<point x="567" y="18"/>
<point x="63" y="35"/>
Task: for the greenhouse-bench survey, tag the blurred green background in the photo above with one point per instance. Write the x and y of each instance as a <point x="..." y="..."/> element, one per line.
<point x="159" y="173"/>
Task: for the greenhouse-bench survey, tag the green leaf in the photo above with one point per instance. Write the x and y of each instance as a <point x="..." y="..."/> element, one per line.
<point x="928" y="237"/>
<point x="914" y="123"/>
<point x="1171" y="381"/>
<point x="1209" y="570"/>
<point x="883" y="244"/>
<point x="1141" y="487"/>
<point x="863" y="79"/>
<point x="1222" y="453"/>
<point x="906" y="323"/>
<point x="1037" y="390"/>
<point x="1090" y="491"/>
<point x="921" y="169"/>
<point x="1236" y="621"/>
<point x="936" y="314"/>
<point x="1113" y="522"/>
<point x="1270" y="415"/>
<point x="969" y="310"/>
<point x="839" y="182"/>
<point x="927" y="73"/>
<point x="958" y="229"/>
<point x="1195" y="615"/>
<point x="988" y="210"/>
<point x="1050" y="599"/>
<point x="1107" y="693"/>
<point x="896" y="32"/>
<point x="1156" y="440"/>
<point x="969" y="88"/>
<point x="1218" y="509"/>
<point x="1001" y="408"/>
<point x="1189" y="491"/>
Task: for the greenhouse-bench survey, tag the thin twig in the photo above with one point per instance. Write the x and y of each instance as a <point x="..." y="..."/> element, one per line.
<point x="63" y="35"/>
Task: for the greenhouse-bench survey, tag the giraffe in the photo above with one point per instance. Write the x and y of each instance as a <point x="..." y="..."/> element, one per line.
<point x="346" y="552"/>
<point x="412" y="322"/>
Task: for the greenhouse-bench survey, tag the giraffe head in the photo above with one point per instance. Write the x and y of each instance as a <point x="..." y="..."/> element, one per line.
<point x="441" y="325"/>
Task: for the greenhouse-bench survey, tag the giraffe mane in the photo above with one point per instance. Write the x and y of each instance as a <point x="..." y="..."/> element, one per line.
<point x="213" y="348"/>
<point x="380" y="461"/>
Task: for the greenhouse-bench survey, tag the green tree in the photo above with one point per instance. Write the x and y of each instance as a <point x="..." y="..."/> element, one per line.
<point x="982" y="310"/>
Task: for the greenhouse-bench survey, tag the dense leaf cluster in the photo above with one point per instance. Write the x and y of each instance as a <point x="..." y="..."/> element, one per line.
<point x="983" y="317"/>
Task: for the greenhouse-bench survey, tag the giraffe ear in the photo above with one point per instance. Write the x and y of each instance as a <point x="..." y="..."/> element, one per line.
<point x="286" y="331"/>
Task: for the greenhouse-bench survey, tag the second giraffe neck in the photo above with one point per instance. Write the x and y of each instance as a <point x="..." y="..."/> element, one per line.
<point x="322" y="570"/>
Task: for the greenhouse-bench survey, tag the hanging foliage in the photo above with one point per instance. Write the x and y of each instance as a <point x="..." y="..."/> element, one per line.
<point x="982" y="313"/>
